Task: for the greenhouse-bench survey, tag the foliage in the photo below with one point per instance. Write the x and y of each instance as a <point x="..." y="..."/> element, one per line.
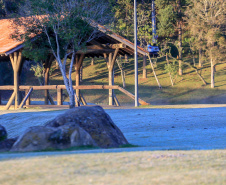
<point x="9" y="7"/>
<point x="171" y="68"/>
<point x="166" y="22"/>
<point x="206" y="20"/>
<point x="39" y="71"/>
<point x="124" y="20"/>
<point x="64" y="26"/>
<point x="6" y="73"/>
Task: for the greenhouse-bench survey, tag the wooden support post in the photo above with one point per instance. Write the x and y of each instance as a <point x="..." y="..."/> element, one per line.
<point x="16" y="59"/>
<point x="28" y="101"/>
<point x="59" y="96"/>
<point x="116" y="101"/>
<point x="83" y="100"/>
<point x="144" y="67"/>
<point x="110" y="64"/>
<point x="10" y="101"/>
<point x="111" y="82"/>
<point x="78" y="64"/>
<point x="26" y="97"/>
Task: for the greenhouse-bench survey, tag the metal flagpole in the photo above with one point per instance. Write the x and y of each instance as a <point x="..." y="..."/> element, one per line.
<point x="135" y="54"/>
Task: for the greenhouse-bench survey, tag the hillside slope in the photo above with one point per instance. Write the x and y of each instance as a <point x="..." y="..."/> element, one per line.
<point x="188" y="89"/>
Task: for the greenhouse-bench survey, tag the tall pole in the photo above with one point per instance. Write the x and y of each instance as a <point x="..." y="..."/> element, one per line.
<point x="135" y="54"/>
<point x="153" y="22"/>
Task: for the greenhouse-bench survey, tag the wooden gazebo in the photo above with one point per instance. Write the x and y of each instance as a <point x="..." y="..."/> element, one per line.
<point x="109" y="45"/>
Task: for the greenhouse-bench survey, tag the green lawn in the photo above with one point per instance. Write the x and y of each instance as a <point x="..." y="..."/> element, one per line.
<point x="153" y="167"/>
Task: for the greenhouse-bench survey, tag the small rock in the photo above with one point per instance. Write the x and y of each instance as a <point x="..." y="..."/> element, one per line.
<point x="3" y="133"/>
<point x="7" y="144"/>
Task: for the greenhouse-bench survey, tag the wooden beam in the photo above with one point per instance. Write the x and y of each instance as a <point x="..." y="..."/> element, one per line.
<point x="6" y="87"/>
<point x="50" y="98"/>
<point x="116" y="101"/>
<point x="111" y="62"/>
<point x="83" y="100"/>
<point x="26" y="97"/>
<point x="114" y="57"/>
<point x="9" y="103"/>
<point x="106" y="46"/>
<point x="132" y="96"/>
<point x="44" y="87"/>
<point x="95" y="51"/>
<point x="90" y="87"/>
<point x="28" y="101"/>
<point x="78" y="65"/>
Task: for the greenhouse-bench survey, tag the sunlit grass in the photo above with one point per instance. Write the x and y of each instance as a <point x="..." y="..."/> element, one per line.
<point x="156" y="167"/>
<point x="187" y="88"/>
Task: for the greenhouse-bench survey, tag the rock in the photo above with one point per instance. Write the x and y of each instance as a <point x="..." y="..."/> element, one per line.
<point x="45" y="138"/>
<point x="7" y="144"/>
<point x="34" y="138"/>
<point x="95" y="121"/>
<point x="71" y="135"/>
<point x="81" y="126"/>
<point x="3" y="133"/>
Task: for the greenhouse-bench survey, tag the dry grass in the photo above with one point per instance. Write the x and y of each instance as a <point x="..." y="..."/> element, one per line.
<point x="154" y="167"/>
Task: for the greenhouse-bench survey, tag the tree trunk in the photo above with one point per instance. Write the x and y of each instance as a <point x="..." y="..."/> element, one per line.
<point x="179" y="23"/>
<point x="193" y="59"/>
<point x="212" y="73"/>
<point x="71" y="101"/>
<point x="81" y="73"/>
<point x="171" y="79"/>
<point x="92" y="61"/>
<point x="144" y="67"/>
<point x="153" y="69"/>
<point x="122" y="71"/>
<point x="200" y="57"/>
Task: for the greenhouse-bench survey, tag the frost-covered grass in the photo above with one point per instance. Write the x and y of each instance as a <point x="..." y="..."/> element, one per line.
<point x="150" y="167"/>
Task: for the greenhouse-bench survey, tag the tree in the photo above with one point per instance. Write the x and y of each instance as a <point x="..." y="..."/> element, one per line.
<point x="66" y="25"/>
<point x="124" y="20"/>
<point x="170" y="15"/>
<point x="206" y="20"/>
<point x="9" y="7"/>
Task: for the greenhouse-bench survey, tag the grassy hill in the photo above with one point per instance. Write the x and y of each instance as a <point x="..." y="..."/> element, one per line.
<point x="188" y="89"/>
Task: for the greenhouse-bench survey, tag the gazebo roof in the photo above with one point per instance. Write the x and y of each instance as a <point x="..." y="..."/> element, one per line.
<point x="7" y="43"/>
<point x="97" y="47"/>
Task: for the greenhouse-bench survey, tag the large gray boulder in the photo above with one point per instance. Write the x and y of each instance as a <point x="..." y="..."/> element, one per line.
<point x="81" y="126"/>
<point x="39" y="138"/>
<point x="95" y="121"/>
<point x="3" y="133"/>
